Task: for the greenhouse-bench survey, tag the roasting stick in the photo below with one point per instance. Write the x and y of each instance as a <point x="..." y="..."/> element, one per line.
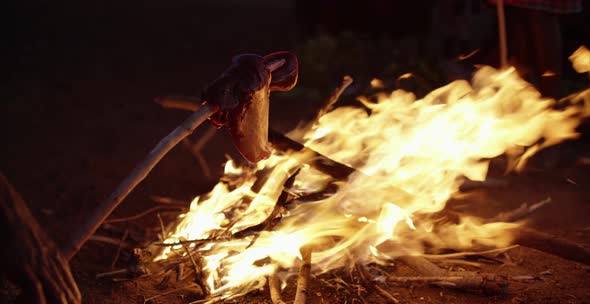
<point x="138" y="174"/>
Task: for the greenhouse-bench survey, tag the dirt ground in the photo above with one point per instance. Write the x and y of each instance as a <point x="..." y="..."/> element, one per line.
<point x="79" y="114"/>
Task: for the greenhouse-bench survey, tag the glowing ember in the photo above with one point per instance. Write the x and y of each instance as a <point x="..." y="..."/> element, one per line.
<point x="410" y="155"/>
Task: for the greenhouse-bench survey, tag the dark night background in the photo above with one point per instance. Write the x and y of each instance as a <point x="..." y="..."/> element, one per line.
<point x="78" y="111"/>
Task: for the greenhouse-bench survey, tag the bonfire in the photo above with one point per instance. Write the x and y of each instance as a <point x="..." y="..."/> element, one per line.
<point x="367" y="185"/>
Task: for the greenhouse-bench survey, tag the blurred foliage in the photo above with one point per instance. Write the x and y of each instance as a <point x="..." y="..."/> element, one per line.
<point x="324" y="59"/>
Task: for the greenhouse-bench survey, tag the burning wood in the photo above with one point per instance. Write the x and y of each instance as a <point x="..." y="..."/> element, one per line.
<point x="392" y="163"/>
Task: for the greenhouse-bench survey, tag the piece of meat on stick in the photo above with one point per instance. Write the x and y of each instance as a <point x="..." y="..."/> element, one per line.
<point x="238" y="98"/>
<point x="242" y="94"/>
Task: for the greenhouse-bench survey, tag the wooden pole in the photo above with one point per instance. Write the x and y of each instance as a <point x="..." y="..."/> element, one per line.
<point x="502" y="33"/>
<point x="138" y="174"/>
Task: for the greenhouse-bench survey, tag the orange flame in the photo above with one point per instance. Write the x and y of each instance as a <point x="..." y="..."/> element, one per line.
<point x="410" y="155"/>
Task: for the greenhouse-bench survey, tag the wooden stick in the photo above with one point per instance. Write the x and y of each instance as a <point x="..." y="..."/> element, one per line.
<point x="30" y="258"/>
<point x="275" y="289"/>
<point x="467" y="253"/>
<point x="138" y="174"/>
<point x="118" y="253"/>
<point x="502" y="33"/>
<point x="469" y="280"/>
<point x="303" y="279"/>
<point x="519" y="213"/>
<point x="143" y="213"/>
<point x="109" y="240"/>
<point x="329" y="103"/>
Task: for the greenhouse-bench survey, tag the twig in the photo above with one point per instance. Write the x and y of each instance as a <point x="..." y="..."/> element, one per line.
<point x="197" y="147"/>
<point x="423" y="279"/>
<point x="275" y="289"/>
<point x="459" y="262"/>
<point x="168" y="292"/>
<point x="386" y="294"/>
<point x="162" y="228"/>
<point x="190" y="255"/>
<point x="520" y="212"/>
<point x="109" y="240"/>
<point x="329" y="103"/>
<point x="30" y="256"/>
<point x="467" y="253"/>
<point x="139" y="173"/>
<point x="489" y="183"/>
<point x="116" y="257"/>
<point x="141" y="214"/>
<point x="169" y="201"/>
<point x="319" y="161"/>
<point x="469" y="280"/>
<point x="197" y="241"/>
<point x="303" y="278"/>
<point x="131" y="234"/>
<point x="112" y="273"/>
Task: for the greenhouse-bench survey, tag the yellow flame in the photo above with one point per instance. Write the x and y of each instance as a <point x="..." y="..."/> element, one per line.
<point x="377" y="83"/>
<point x="581" y="59"/>
<point x="410" y="157"/>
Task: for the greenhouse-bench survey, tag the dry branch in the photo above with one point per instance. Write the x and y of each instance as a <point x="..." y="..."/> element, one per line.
<point x="110" y="240"/>
<point x="502" y="33"/>
<point x="303" y="278"/>
<point x="468" y="253"/>
<point x="31" y="258"/>
<point x="274" y="286"/>
<point x="143" y="213"/>
<point x="467" y="280"/>
<point x="519" y="213"/>
<point x="139" y="173"/>
<point x="334" y="96"/>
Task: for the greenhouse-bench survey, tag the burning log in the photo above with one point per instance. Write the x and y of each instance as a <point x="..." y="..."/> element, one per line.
<point x="33" y="261"/>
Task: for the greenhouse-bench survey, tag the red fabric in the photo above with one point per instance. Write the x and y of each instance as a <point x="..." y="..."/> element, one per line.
<point x="553" y="6"/>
